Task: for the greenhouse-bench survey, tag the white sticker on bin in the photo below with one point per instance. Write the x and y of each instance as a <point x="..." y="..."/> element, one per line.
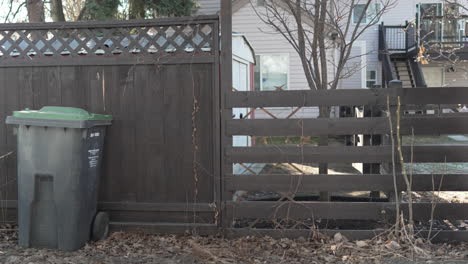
<point x="93" y="157"/>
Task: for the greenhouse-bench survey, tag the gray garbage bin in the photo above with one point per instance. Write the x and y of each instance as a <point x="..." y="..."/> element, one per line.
<point x="59" y="157"/>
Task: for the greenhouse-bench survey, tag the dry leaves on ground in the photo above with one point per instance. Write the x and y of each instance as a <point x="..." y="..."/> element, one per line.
<point x="142" y="248"/>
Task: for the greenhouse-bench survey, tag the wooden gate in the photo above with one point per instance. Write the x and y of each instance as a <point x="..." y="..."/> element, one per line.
<point x="158" y="78"/>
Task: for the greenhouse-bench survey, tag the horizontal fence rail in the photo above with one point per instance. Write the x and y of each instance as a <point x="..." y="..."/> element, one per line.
<point x="344" y="154"/>
<point x="347" y="126"/>
<point x="348" y="97"/>
<point x="337" y="182"/>
<point x="344" y="210"/>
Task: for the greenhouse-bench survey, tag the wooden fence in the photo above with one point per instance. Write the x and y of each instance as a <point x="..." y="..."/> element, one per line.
<point x="286" y="208"/>
<point x="160" y="157"/>
<point x="169" y="154"/>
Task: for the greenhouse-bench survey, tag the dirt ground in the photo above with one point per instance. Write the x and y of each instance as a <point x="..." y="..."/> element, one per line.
<point x="142" y="248"/>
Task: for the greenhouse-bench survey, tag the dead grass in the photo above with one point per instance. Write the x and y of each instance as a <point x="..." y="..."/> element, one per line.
<point x="141" y="248"/>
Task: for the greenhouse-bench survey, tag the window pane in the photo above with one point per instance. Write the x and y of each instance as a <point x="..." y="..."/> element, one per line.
<point x="371" y="75"/>
<point x="274" y="69"/>
<point x="431" y="9"/>
<point x="372" y="11"/>
<point x="358" y="12"/>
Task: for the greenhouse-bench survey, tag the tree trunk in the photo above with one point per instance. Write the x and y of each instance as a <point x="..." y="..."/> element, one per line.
<point x="35" y="10"/>
<point x="136" y="9"/>
<point x="56" y="9"/>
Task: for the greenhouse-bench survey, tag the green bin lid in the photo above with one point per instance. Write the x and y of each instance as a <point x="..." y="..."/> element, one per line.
<point x="60" y="113"/>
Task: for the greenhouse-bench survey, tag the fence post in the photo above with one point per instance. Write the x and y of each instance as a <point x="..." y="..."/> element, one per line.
<point x="226" y="114"/>
<point x="406" y="36"/>
<point x="387" y="168"/>
<point x="372" y="140"/>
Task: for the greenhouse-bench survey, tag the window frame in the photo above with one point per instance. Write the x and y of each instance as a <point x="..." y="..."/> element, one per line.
<point x="258" y="60"/>
<point x="371" y="80"/>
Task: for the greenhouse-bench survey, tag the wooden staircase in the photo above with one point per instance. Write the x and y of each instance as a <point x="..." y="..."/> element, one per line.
<point x="403" y="72"/>
<point x="398" y="56"/>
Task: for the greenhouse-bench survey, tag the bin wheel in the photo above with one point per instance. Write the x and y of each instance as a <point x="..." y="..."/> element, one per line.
<point x="100" y="228"/>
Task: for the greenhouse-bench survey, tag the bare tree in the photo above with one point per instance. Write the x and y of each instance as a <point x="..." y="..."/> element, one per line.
<point x="35" y="10"/>
<point x="14" y="7"/>
<point x="323" y="33"/>
<point x="56" y="10"/>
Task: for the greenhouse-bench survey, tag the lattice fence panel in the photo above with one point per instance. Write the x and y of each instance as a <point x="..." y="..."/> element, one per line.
<point x="75" y="40"/>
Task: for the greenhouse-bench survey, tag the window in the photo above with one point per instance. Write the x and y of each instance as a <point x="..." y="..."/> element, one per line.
<point x="370" y="15"/>
<point x="271" y="70"/>
<point x="260" y="2"/>
<point x="430" y="9"/>
<point x="371" y="80"/>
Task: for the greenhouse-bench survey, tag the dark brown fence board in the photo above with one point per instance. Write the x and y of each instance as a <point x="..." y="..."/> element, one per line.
<point x="11" y="103"/>
<point x="343" y="210"/>
<point x="343" y="154"/>
<point x="346" y="126"/>
<point x="337" y="182"/>
<point x="4" y="111"/>
<point x="155" y="207"/>
<point x="54" y="96"/>
<point x="129" y="118"/>
<point x="106" y="61"/>
<point x="348" y="97"/>
<point x="218" y="128"/>
<point x="187" y="217"/>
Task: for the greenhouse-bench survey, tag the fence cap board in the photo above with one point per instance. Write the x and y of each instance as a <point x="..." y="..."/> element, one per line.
<point x="109" y="24"/>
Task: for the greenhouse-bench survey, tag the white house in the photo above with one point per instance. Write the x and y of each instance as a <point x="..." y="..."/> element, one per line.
<point x="278" y="64"/>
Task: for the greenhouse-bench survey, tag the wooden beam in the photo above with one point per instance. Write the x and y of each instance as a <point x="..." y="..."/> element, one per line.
<point x="226" y="111"/>
<point x="348" y="97"/>
<point x="93" y="60"/>
<point x="343" y="154"/>
<point x="337" y="182"/>
<point x="427" y="125"/>
<point x="343" y="210"/>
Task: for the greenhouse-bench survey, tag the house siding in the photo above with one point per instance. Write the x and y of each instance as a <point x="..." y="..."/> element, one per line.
<point x="265" y="41"/>
<point x="207" y="7"/>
